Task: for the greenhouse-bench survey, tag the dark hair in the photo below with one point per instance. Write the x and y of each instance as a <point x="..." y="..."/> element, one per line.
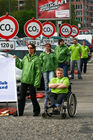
<point x="48" y="44"/>
<point x="32" y="45"/>
<point x="60" y="40"/>
<point x="75" y="39"/>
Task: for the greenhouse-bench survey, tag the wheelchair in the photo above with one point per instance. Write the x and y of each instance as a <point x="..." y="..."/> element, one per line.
<point x="68" y="105"/>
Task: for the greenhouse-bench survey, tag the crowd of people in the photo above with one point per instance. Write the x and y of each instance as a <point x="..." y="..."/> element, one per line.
<point x="48" y="64"/>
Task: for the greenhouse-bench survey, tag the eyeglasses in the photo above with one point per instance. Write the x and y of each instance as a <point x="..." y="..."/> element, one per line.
<point x="30" y="48"/>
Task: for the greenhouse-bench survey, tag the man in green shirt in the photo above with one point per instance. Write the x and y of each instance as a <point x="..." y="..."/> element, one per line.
<point x="63" y="56"/>
<point x="75" y="58"/>
<point x="59" y="87"/>
<point x="84" y="56"/>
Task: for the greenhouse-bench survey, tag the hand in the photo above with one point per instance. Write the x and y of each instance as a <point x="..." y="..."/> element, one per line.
<point x="14" y="56"/>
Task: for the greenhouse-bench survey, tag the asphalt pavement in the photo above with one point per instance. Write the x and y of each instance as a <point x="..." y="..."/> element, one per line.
<point x="80" y="127"/>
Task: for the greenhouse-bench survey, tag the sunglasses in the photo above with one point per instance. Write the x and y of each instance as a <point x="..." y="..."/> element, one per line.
<point x="30" y="48"/>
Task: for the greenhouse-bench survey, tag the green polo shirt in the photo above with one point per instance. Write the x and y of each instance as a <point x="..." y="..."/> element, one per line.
<point x="84" y="51"/>
<point x="75" y="51"/>
<point x="63" y="80"/>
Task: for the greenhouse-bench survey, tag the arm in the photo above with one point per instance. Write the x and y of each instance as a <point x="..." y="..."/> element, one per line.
<point x="58" y="86"/>
<point x="37" y="73"/>
<point x="19" y="63"/>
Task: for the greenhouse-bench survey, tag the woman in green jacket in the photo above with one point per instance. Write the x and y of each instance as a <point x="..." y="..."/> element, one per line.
<point x="30" y="77"/>
<point x="48" y="65"/>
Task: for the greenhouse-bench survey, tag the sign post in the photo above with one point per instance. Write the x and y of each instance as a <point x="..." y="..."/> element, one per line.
<point x="48" y="29"/>
<point x="75" y="31"/>
<point x="8" y="27"/>
<point x="65" y="30"/>
<point x="33" y="28"/>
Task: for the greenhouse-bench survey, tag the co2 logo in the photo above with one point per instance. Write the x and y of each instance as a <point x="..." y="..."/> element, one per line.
<point x="33" y="28"/>
<point x="48" y="29"/>
<point x="65" y="30"/>
<point x="75" y="31"/>
<point x="8" y="27"/>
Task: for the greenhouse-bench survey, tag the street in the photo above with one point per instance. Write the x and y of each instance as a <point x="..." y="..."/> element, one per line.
<point x="80" y="127"/>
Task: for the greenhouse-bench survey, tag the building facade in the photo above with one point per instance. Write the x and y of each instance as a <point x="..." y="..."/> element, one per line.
<point x="84" y="12"/>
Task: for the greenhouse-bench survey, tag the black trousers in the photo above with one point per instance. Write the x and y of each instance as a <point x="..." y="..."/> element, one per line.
<point x="56" y="98"/>
<point x="84" y="62"/>
<point x="36" y="107"/>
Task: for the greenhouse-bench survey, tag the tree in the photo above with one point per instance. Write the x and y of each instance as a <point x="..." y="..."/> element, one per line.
<point x="22" y="17"/>
<point x="7" y="6"/>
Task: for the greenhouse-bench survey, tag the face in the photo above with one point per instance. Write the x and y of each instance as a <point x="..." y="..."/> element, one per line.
<point x="30" y="49"/>
<point x="62" y="42"/>
<point x="59" y="74"/>
<point x="74" y="41"/>
<point x="48" y="48"/>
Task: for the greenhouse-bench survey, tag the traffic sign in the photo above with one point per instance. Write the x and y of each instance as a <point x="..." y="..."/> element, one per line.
<point x="65" y="30"/>
<point x="9" y="45"/>
<point x="35" y="42"/>
<point x="48" y="29"/>
<point x="8" y="27"/>
<point x="75" y="31"/>
<point x="33" y="28"/>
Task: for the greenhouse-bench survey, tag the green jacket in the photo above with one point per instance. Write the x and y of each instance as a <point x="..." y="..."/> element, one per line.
<point x="84" y="51"/>
<point x="75" y="51"/>
<point x="48" y="61"/>
<point x="30" y="66"/>
<point x="62" y="54"/>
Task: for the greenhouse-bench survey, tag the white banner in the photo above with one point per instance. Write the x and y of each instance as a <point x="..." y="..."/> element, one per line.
<point x="8" y="92"/>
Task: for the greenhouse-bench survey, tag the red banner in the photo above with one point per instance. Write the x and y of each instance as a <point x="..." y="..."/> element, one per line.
<point x="53" y="9"/>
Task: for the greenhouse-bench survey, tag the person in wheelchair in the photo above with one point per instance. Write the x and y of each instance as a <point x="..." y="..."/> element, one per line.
<point x="59" y="88"/>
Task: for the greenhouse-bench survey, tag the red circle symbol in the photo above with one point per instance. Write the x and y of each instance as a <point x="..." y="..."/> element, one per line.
<point x="33" y="28"/>
<point x="75" y="31"/>
<point x="65" y="30"/>
<point x="48" y="29"/>
<point x="8" y="27"/>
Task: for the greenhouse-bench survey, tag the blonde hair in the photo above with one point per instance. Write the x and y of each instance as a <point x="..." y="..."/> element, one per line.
<point x="60" y="69"/>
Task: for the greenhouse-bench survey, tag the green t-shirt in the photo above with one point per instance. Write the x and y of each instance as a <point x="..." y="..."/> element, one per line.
<point x="75" y="51"/>
<point x="63" y="80"/>
<point x="84" y="51"/>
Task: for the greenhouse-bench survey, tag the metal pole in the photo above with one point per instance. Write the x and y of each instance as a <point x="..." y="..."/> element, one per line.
<point x="9" y="1"/>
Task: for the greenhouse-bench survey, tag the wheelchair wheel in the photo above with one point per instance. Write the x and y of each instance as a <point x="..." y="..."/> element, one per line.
<point x="71" y="105"/>
<point x="48" y="108"/>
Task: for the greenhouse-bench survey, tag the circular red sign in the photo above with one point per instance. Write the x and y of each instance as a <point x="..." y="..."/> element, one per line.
<point x="33" y="28"/>
<point x="11" y="21"/>
<point x="75" y="31"/>
<point x="65" y="30"/>
<point x="48" y="29"/>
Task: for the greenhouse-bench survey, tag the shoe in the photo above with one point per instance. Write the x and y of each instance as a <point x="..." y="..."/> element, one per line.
<point x="36" y="114"/>
<point x="16" y="114"/>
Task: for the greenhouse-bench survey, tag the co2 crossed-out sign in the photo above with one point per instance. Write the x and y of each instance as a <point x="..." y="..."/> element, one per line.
<point x="8" y="27"/>
<point x="65" y="30"/>
<point x="33" y="28"/>
<point x="75" y="31"/>
<point x="48" y="29"/>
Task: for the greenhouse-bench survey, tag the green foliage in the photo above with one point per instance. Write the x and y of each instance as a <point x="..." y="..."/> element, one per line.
<point x="7" y="6"/>
<point x="22" y="17"/>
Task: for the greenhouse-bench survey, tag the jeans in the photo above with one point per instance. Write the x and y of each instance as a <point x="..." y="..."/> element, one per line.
<point x="84" y="61"/>
<point x="21" y="106"/>
<point x="77" y="62"/>
<point x="65" y="68"/>
<point x="47" y="77"/>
